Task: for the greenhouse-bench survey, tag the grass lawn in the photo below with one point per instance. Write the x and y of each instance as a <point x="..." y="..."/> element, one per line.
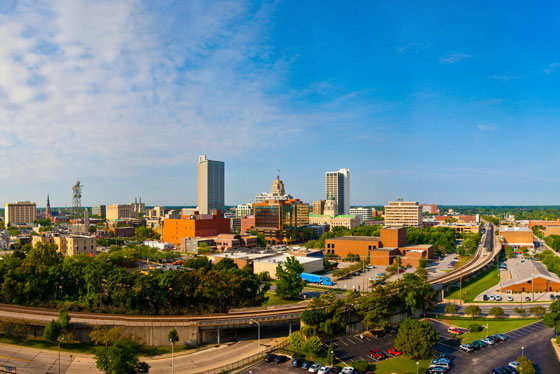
<point x="276" y="300"/>
<point x="463" y="260"/>
<point x="494" y="326"/>
<point x="89" y="348"/>
<point x="475" y="287"/>
<point x="401" y="365"/>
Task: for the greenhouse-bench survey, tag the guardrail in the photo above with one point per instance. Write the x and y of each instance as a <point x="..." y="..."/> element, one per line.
<point x="246" y="321"/>
<point x="246" y="361"/>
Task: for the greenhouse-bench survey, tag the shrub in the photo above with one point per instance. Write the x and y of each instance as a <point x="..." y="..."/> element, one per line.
<point x="361" y="365"/>
<point x="474" y="327"/>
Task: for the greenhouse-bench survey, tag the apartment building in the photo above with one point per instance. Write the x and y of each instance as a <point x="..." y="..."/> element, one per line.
<point x="210" y="185"/>
<point x="21" y="212"/>
<point x="337" y="186"/>
<point x="403" y="213"/>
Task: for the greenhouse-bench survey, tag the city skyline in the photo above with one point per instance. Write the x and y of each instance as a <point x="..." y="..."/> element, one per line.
<point x="451" y="104"/>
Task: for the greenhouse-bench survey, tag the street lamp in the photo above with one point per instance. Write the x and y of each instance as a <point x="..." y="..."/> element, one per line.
<point x="332" y="358"/>
<point x="60" y="341"/>
<point x="172" y="351"/>
<point x="417" y="363"/>
<point x="258" y="335"/>
<point x="487" y="327"/>
<point x="522" y="348"/>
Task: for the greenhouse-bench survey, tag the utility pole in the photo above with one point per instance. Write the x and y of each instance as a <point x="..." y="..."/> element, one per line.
<point x="460" y="286"/>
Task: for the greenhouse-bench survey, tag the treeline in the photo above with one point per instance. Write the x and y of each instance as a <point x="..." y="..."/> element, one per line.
<point x="551" y="212"/>
<point x="551" y="261"/>
<point x="442" y="238"/>
<point x="44" y="277"/>
<point x="553" y="241"/>
<point x="328" y="314"/>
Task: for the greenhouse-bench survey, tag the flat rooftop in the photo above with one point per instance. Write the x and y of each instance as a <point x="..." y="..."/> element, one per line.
<point x="514" y="229"/>
<point x="280" y="259"/>
<point x="358" y="238"/>
<point x="522" y="271"/>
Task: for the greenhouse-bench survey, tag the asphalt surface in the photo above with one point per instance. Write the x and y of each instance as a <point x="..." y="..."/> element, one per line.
<point x="33" y="362"/>
<point x="535" y="339"/>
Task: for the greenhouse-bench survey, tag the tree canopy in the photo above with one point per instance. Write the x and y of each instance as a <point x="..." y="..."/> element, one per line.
<point x="416" y="338"/>
<point x="288" y="281"/>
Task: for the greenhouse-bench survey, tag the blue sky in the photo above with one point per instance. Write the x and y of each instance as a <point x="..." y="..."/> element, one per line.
<point x="450" y="103"/>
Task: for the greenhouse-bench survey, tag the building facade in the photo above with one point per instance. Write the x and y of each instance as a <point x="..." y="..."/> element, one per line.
<point x="517" y="237"/>
<point x="319" y="207"/>
<point x="99" y="210"/>
<point x="202" y="225"/>
<point x="119" y="211"/>
<point x="21" y="212"/>
<point x="273" y="217"/>
<point x="211" y="185"/>
<point x="244" y="210"/>
<point x="363" y="213"/>
<point x="403" y="213"/>
<point x="337" y="186"/>
<point x="332" y="218"/>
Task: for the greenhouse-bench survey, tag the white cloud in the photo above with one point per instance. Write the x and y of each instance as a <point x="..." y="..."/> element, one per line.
<point x="453" y="58"/>
<point x="107" y="88"/>
<point x="482" y="127"/>
<point x="550" y="68"/>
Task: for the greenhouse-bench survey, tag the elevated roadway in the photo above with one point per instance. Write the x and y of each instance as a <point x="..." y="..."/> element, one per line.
<point x="196" y="330"/>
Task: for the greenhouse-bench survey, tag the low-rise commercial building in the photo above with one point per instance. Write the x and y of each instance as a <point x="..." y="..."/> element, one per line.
<point x="543" y="223"/>
<point x="247" y="224"/>
<point x="119" y="211"/>
<point x="530" y="276"/>
<point x="363" y="213"/>
<point x="517" y="237"/>
<point x="269" y="264"/>
<point x="383" y="250"/>
<point x="71" y="245"/>
<point x="244" y="210"/>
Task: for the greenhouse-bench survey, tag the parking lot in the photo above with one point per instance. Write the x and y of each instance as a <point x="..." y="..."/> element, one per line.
<point x="535" y="339"/>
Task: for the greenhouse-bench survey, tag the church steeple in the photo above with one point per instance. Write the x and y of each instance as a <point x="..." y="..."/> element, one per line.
<point x="48" y="208"/>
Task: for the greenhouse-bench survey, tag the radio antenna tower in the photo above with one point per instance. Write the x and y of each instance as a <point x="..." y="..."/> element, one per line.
<point x="77" y="200"/>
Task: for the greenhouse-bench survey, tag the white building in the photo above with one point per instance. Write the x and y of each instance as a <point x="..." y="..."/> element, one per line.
<point x="403" y="213"/>
<point x="337" y="186"/>
<point x="269" y="264"/>
<point x="244" y="210"/>
<point x="363" y="213"/>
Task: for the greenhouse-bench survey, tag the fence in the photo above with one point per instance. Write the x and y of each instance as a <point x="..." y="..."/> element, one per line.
<point x="245" y="361"/>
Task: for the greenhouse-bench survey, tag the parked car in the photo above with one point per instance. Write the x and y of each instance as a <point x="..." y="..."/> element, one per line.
<point x="436" y="370"/>
<point x="391" y="330"/>
<point x="489" y="341"/>
<point x="498" y="298"/>
<point x="441" y="359"/>
<point x="306" y="365"/>
<point x="485" y="297"/>
<point x="314" y="368"/>
<point x="348" y="370"/>
<point x="324" y="370"/>
<point x="454" y="330"/>
<point x="502" y="337"/>
<point x="509" y="298"/>
<point x="297" y="362"/>
<point x="394" y="352"/>
<point x="557" y="297"/>
<point x="335" y="370"/>
<point x="552" y="297"/>
<point x="477" y="344"/>
<point x="378" y="333"/>
<point x="377" y="355"/>
<point x="508" y="369"/>
<point x="492" y="298"/>
<point x="527" y="298"/>
<point x="270" y="357"/>
<point x="466" y="348"/>
<point x="280" y="359"/>
<point x="514" y="364"/>
<point x="499" y="371"/>
<point x="440" y="365"/>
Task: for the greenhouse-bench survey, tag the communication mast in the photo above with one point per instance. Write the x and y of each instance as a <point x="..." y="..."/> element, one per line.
<point x="77" y="200"/>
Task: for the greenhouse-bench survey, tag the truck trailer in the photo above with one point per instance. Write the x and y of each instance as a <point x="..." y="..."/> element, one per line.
<point x="319" y="279"/>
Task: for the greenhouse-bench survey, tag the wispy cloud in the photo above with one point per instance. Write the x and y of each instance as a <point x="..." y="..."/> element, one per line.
<point x="113" y="87"/>
<point x="482" y="127"/>
<point x="551" y="68"/>
<point x="453" y="58"/>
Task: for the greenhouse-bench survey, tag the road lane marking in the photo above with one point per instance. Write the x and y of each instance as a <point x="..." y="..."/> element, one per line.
<point x="343" y="343"/>
<point x="13" y="358"/>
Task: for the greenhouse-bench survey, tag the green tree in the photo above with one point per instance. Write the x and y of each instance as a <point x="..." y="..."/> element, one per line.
<point x="92" y="229"/>
<point x="509" y="252"/>
<point x="539" y="311"/>
<point x="52" y="331"/>
<point x="288" y="281"/>
<point x="120" y="358"/>
<point x="451" y="309"/>
<point x="297" y="340"/>
<point x="416" y="338"/>
<point x="313" y="345"/>
<point x="374" y="308"/>
<point x="525" y="365"/>
<point x="172" y="336"/>
<point x="473" y="311"/>
<point x="519" y="311"/>
<point x="105" y="335"/>
<point x="475" y="327"/>
<point x="552" y="319"/>
<point x="496" y="311"/>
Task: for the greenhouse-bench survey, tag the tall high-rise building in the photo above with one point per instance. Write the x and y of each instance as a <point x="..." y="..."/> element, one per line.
<point x="337" y="186"/>
<point x="210" y="185"/>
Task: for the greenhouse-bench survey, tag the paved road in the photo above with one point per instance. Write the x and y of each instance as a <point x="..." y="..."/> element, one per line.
<point x="33" y="361"/>
<point x="485" y="307"/>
